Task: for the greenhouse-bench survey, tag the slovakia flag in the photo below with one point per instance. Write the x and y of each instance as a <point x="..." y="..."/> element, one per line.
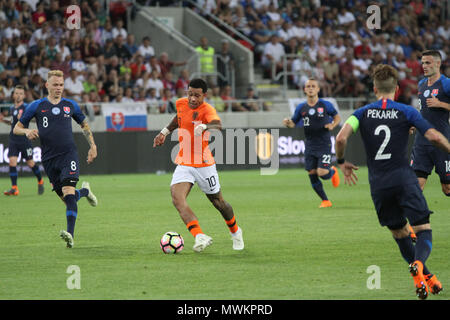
<point x="125" y="116"/>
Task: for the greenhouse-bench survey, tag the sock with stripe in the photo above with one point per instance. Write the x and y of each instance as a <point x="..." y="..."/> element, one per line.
<point x="37" y="173"/>
<point x="317" y="186"/>
<point x="13" y="176"/>
<point x="71" y="212"/>
<point x="408" y="251"/>
<point x="328" y="175"/>
<point x="232" y="225"/>
<point x="194" y="228"/>
<point x="423" y="245"/>
<point x="80" y="193"/>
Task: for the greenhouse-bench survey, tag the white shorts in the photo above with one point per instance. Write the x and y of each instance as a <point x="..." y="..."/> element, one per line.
<point x="206" y="177"/>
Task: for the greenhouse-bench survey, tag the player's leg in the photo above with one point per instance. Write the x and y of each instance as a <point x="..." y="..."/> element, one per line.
<point x="442" y="168"/>
<point x="316" y="184"/>
<point x="416" y="209"/>
<point x="325" y="171"/>
<point x="27" y="152"/>
<point x="86" y="191"/>
<point x="14" y="191"/>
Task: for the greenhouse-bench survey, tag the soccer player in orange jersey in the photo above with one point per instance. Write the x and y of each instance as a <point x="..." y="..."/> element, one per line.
<point x="195" y="163"/>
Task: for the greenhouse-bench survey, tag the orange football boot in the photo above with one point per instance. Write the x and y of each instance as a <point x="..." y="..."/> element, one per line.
<point x="335" y="180"/>
<point x="325" y="204"/>
<point x="416" y="270"/>
<point x="433" y="283"/>
<point x="13" y="192"/>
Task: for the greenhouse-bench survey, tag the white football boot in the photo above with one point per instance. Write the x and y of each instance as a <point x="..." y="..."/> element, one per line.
<point x="238" y="240"/>
<point x="91" y="198"/>
<point x="67" y="237"/>
<point x="201" y="242"/>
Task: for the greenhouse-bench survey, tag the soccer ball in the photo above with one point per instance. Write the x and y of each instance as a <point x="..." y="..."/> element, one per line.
<point x="171" y="242"/>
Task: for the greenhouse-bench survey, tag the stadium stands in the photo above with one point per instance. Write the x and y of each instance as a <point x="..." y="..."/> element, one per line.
<point x="325" y="39"/>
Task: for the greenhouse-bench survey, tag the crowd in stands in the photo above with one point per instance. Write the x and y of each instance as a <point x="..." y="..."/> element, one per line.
<point x="325" y="39"/>
<point x="330" y="40"/>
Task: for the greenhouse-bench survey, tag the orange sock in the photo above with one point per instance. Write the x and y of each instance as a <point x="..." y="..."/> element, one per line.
<point x="41" y="181"/>
<point x="232" y="225"/>
<point x="194" y="228"/>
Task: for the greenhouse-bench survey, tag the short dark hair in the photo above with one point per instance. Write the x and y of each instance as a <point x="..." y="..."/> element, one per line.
<point x="199" y="84"/>
<point x="433" y="53"/>
<point x="385" y="78"/>
<point x="20" y="87"/>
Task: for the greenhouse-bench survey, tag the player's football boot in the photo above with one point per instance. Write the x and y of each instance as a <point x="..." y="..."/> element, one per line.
<point x="91" y="198"/>
<point x="416" y="270"/>
<point x="201" y="242"/>
<point x="412" y="234"/>
<point x="41" y="187"/>
<point x="238" y="240"/>
<point x="325" y="204"/>
<point x="433" y="283"/>
<point x="13" y="192"/>
<point x="67" y="237"/>
<point x="335" y="180"/>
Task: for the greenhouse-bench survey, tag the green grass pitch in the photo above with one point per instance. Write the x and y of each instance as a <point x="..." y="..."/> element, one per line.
<point x="294" y="250"/>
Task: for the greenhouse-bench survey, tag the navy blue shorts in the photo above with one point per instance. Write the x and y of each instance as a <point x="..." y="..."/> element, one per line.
<point x="320" y="158"/>
<point x="424" y="158"/>
<point x="23" y="148"/>
<point x="395" y="205"/>
<point x="62" y="170"/>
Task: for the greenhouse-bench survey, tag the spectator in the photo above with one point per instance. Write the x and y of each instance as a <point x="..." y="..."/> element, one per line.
<point x="272" y="58"/>
<point x="73" y="86"/>
<point x="166" y="65"/>
<point x="225" y="64"/>
<point x="128" y="97"/>
<point x="213" y="96"/>
<point x="183" y="80"/>
<point x="229" y="100"/>
<point x="250" y="103"/>
<point x="145" y="49"/>
<point x="130" y="45"/>
<point x="119" y="30"/>
<point x="167" y="104"/>
<point x="90" y="84"/>
<point x="207" y="66"/>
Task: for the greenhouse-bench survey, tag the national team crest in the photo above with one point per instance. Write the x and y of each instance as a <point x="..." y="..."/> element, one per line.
<point x="118" y="120"/>
<point x="435" y="92"/>
<point x="320" y="110"/>
<point x="66" y="110"/>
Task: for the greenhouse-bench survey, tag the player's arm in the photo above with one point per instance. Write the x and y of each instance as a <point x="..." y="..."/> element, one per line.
<point x="92" y="153"/>
<point x="437" y="139"/>
<point x="161" y="137"/>
<point x="20" y="130"/>
<point x="346" y="167"/>
<point x="336" y="120"/>
<point x="213" y="124"/>
<point x="434" y="102"/>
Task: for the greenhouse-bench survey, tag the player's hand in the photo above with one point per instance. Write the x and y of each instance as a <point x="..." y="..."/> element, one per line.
<point x="32" y="134"/>
<point x="287" y="122"/>
<point x="92" y="154"/>
<point x="198" y="130"/>
<point x="348" y="169"/>
<point x="159" y="140"/>
<point x="433" y="102"/>
<point x="329" y="126"/>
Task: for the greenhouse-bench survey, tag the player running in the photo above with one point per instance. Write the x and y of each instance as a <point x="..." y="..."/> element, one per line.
<point x="19" y="145"/>
<point x="195" y="163"/>
<point x="316" y="115"/>
<point x="53" y="116"/>
<point x="395" y="191"/>
<point x="434" y="99"/>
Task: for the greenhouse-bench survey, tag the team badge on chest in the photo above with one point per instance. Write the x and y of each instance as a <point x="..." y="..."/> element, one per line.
<point x="311" y="112"/>
<point x="66" y="110"/>
<point x="56" y="111"/>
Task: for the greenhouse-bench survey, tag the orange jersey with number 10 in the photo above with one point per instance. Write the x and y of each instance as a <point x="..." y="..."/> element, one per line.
<point x="194" y="150"/>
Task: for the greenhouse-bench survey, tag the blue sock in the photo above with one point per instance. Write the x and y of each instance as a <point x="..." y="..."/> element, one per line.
<point x="407" y="249"/>
<point x="83" y="192"/>
<point x="317" y="186"/>
<point x="13" y="175"/>
<point x="423" y="245"/>
<point x="37" y="172"/>
<point x="71" y="212"/>
<point x="328" y="175"/>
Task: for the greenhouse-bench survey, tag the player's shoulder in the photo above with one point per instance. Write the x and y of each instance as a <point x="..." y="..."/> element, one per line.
<point x="182" y="102"/>
<point x="35" y="104"/>
<point x="422" y="81"/>
<point x="72" y="102"/>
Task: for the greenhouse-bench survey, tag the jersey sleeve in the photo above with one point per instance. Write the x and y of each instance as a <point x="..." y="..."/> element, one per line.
<point x="77" y="115"/>
<point x="29" y="113"/>
<point x="354" y="119"/>
<point x="446" y="86"/>
<point x="331" y="110"/>
<point x="415" y="119"/>
<point x="211" y="114"/>
<point x="297" y="114"/>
